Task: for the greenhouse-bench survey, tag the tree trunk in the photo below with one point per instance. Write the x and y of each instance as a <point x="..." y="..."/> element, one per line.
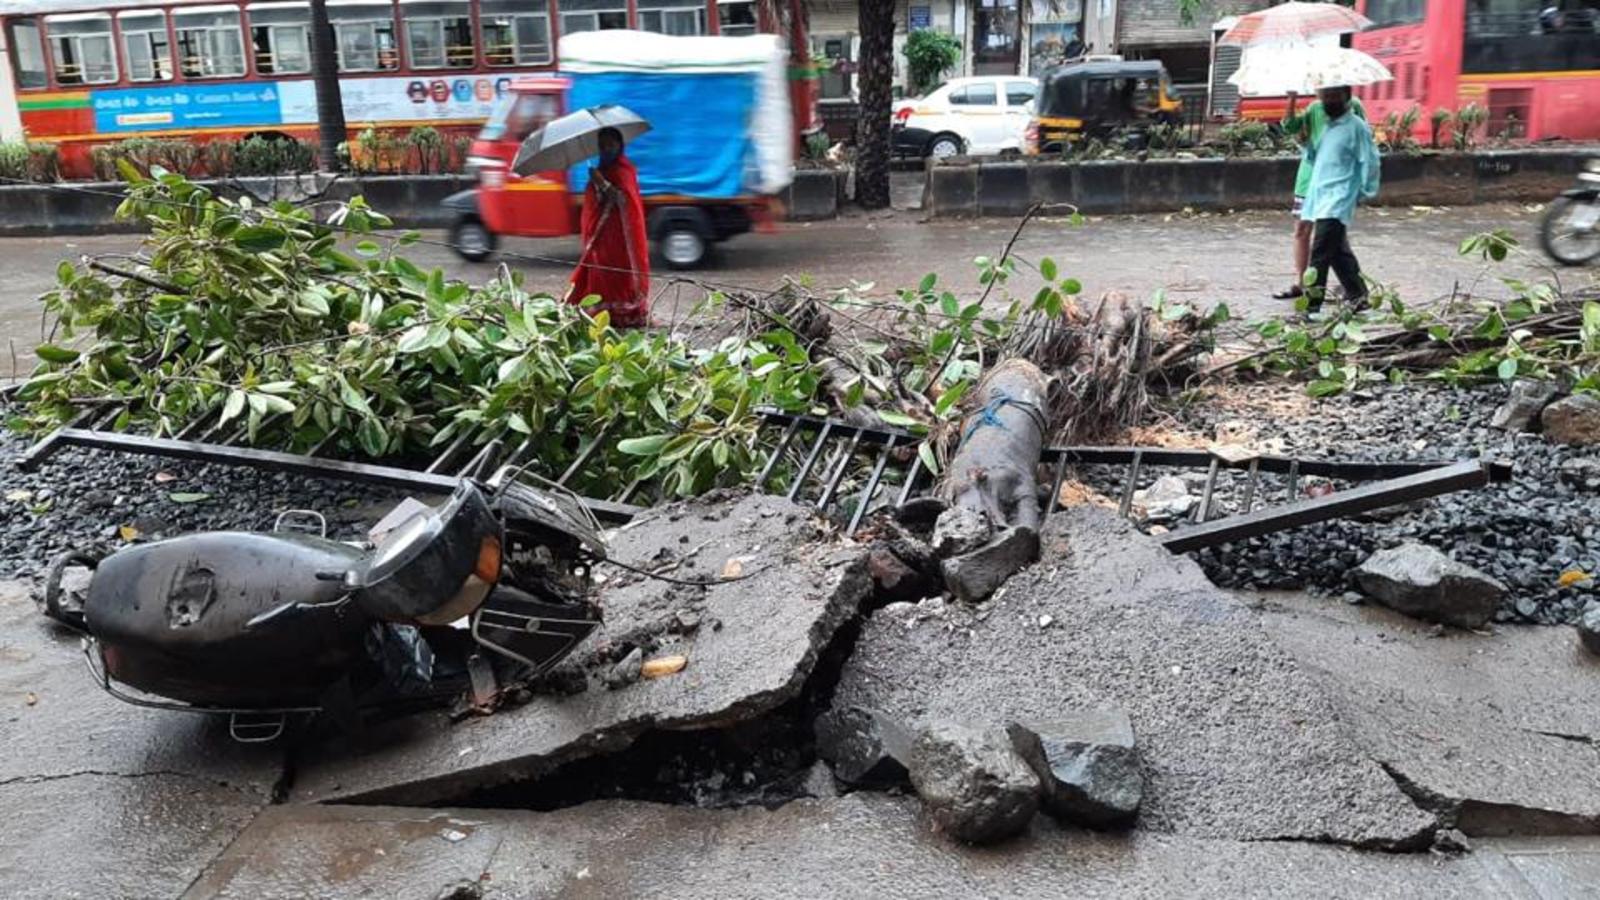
<point x="325" y="75"/>
<point x="875" y="70"/>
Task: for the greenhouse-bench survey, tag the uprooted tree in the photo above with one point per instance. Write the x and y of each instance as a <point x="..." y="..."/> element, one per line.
<point x="242" y="321"/>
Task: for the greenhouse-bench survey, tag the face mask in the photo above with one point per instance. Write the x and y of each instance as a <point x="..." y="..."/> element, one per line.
<point x="1334" y="108"/>
<point x="607" y="157"/>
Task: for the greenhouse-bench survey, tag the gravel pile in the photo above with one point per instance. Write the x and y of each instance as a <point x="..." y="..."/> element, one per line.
<point x="97" y="501"/>
<point x="1526" y="533"/>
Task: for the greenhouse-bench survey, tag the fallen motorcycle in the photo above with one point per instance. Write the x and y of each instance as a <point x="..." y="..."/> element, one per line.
<point x="1570" y="230"/>
<point x="262" y="627"/>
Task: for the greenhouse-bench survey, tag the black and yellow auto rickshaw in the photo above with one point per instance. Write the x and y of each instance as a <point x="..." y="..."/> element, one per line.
<point x="1098" y="98"/>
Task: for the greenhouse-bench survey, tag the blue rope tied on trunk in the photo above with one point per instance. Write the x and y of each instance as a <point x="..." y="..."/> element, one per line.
<point x="989" y="415"/>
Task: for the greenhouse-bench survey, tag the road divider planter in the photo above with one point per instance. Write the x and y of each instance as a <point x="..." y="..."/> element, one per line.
<point x="413" y="201"/>
<point x="965" y="188"/>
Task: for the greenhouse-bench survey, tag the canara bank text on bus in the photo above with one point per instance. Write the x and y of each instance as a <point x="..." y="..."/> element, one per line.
<point x="88" y="73"/>
<point x="1534" y="65"/>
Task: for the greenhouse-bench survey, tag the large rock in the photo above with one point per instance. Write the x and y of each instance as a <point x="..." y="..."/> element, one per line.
<point x="1088" y="765"/>
<point x="974" y="786"/>
<point x="1589" y="627"/>
<point x="756" y="643"/>
<point x="1420" y="581"/>
<point x="1573" y="420"/>
<point x="1235" y="739"/>
<point x="1521" y="410"/>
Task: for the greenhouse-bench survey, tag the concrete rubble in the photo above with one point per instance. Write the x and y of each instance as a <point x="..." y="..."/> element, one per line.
<point x="864" y="748"/>
<point x="1589" y="627"/>
<point x="1237" y="741"/>
<point x="1520" y="411"/>
<point x="1088" y="765"/>
<point x="756" y="644"/>
<point x="1574" y="419"/>
<point x="1419" y="581"/>
<point x="973" y="785"/>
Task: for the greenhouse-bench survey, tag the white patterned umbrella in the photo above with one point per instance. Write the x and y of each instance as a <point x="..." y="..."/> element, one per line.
<point x="1293" y="21"/>
<point x="1304" y="69"/>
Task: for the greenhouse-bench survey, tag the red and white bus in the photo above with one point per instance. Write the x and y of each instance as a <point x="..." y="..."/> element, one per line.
<point x="89" y="72"/>
<point x="1533" y="64"/>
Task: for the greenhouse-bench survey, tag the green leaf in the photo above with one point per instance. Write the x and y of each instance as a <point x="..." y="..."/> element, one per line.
<point x="233" y="407"/>
<point x="951" y="396"/>
<point x="899" y="420"/>
<point x="949" y="305"/>
<point x="374" y="439"/>
<point x="856" y="392"/>
<point x="644" y="446"/>
<point x="368" y="248"/>
<point x="275" y="404"/>
<point x="66" y="274"/>
<point x="1507" y="369"/>
<point x="187" y="497"/>
<point x="1174" y="313"/>
<point x="53" y="354"/>
<point x="517" y="422"/>
<point x="1071" y="287"/>
<point x="413" y="340"/>
<point x="928" y="281"/>
<point x="1324" y="388"/>
<point x="929" y="461"/>
<point x="259" y="238"/>
<point x="1047" y="268"/>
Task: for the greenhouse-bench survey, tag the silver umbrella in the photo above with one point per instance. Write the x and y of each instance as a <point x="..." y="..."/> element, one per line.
<point x="575" y="137"/>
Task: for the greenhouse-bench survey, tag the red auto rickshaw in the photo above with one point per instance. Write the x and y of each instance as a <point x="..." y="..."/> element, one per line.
<point x="548" y="205"/>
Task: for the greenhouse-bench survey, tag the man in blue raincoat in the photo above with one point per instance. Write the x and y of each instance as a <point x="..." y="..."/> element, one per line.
<point x="1344" y="170"/>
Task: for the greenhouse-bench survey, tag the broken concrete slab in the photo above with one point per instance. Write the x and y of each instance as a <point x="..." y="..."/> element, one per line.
<point x="959" y="529"/>
<point x="756" y="646"/>
<point x="1499" y="733"/>
<point x="1527" y="399"/>
<point x="974" y="787"/>
<point x="1088" y="765"/>
<point x="103" y="799"/>
<point x="1420" y="581"/>
<point x="1237" y="741"/>
<point x="862" y="845"/>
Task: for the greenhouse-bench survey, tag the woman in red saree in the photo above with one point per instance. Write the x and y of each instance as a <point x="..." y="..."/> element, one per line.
<point x="615" y="265"/>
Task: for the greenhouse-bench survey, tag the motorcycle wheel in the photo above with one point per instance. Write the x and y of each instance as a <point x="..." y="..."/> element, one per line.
<point x="1562" y="242"/>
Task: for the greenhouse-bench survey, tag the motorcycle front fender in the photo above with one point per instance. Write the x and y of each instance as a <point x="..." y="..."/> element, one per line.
<point x="1589" y="194"/>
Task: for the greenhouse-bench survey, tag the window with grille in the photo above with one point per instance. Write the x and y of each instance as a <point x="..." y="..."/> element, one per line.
<point x="81" y="48"/>
<point x="281" y="34"/>
<point x="145" y="45"/>
<point x="737" y="17"/>
<point x="210" y="42"/>
<point x="364" y="38"/>
<point x="438" y="35"/>
<point x="678" y="17"/>
<point x="592" y="15"/>
<point x="514" y="34"/>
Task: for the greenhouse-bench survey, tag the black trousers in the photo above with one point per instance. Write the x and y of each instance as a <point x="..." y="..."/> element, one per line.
<point x="1330" y="248"/>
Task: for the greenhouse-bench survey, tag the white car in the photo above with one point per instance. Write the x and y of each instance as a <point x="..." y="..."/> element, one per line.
<point x="978" y="116"/>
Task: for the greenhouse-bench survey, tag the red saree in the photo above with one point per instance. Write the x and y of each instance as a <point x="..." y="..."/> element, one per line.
<point x="615" y="265"/>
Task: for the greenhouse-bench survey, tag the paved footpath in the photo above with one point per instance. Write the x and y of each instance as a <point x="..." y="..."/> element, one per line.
<point x="1208" y="258"/>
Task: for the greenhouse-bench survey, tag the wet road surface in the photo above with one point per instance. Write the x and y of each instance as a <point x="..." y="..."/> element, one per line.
<point x="1238" y="258"/>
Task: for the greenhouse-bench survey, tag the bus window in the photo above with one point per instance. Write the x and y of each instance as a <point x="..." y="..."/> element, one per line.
<point x="513" y="35"/>
<point x="438" y="34"/>
<point x="145" y="45"/>
<point x="364" y="35"/>
<point x="81" y="47"/>
<point x="677" y="17"/>
<point x="210" y="42"/>
<point x="592" y="15"/>
<point x="1387" y="13"/>
<point x="280" y="34"/>
<point x="27" y="53"/>
<point x="737" y="17"/>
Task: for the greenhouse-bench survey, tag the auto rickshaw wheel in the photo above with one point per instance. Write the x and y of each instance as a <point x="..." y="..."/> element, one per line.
<point x="473" y="240"/>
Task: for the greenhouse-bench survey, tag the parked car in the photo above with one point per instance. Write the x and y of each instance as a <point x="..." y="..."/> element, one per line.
<point x="976" y="116"/>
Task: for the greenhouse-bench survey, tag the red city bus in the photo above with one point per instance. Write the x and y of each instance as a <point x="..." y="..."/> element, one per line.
<point x="1534" y="65"/>
<point x="90" y="72"/>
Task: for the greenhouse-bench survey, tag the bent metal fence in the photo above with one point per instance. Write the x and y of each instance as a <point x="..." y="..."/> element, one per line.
<point x="846" y="471"/>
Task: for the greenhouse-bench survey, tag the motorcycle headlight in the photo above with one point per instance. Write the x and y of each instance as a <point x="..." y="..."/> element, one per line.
<point x="435" y="567"/>
<point x="1592" y="165"/>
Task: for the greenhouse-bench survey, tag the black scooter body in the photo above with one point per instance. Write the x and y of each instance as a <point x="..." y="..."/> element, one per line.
<point x="174" y="618"/>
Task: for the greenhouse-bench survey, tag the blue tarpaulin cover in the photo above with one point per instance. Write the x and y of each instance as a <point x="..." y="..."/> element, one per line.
<point x="699" y="142"/>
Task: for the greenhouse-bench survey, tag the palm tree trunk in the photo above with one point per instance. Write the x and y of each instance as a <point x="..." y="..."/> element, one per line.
<point x="876" y="69"/>
<point x="325" y="75"/>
